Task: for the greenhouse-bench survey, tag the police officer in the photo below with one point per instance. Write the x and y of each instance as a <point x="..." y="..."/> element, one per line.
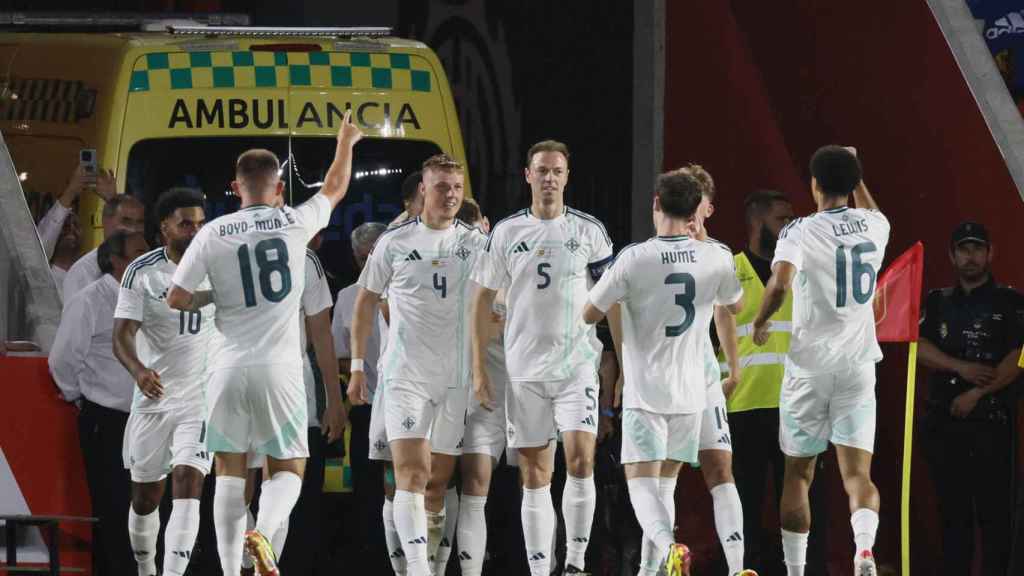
<point x="971" y="337"/>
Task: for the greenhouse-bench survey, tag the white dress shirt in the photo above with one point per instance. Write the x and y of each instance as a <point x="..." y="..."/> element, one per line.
<point x="83" y="272"/>
<point x="50" y="225"/>
<point x="341" y="329"/>
<point x="82" y="359"/>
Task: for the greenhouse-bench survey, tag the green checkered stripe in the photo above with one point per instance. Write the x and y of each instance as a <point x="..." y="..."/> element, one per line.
<point x="243" y="69"/>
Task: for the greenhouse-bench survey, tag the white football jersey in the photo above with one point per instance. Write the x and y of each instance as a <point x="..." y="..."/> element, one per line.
<point x="316" y="297"/>
<point x="171" y="342"/>
<point x="546" y="267"/>
<point x="838" y="254"/>
<point x="426" y="273"/>
<point x="255" y="259"/>
<point x="668" y="286"/>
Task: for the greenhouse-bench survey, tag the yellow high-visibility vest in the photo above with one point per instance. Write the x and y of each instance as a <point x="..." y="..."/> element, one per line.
<point x="762" y="366"/>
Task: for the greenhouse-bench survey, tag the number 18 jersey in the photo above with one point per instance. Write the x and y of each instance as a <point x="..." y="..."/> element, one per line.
<point x="668" y="287"/>
<point x="838" y="254"/>
<point x="255" y="260"/>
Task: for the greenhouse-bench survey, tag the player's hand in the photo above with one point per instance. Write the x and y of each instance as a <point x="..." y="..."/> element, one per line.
<point x="358" y="392"/>
<point x="76" y="183"/>
<point x="964" y="404"/>
<point x="106" y="185"/>
<point x="334" y="421"/>
<point x="977" y="374"/>
<point x="483" y="391"/>
<point x="349" y="133"/>
<point x="729" y="384"/>
<point x="148" y="382"/>
<point x="760" y="335"/>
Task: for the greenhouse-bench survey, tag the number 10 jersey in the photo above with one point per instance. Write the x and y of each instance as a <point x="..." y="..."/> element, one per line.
<point x="837" y="254"/>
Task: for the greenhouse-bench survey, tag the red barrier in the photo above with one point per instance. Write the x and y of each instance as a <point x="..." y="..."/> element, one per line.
<point x="39" y="435"/>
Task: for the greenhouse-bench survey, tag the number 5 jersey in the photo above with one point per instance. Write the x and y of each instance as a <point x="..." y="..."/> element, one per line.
<point x="837" y="254"/>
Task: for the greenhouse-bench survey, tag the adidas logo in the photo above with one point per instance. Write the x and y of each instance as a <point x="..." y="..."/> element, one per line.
<point x="538" y="557"/>
<point x="725" y="440"/>
<point x="581" y="540"/>
<point x="398" y="553"/>
<point x="1012" y="23"/>
<point x="589" y="421"/>
<point x="419" y="540"/>
<point x="413" y="256"/>
<point x="186" y="554"/>
<point x="464" y="555"/>
<point x="521" y="248"/>
<point x="735" y="537"/>
<point x="460" y="443"/>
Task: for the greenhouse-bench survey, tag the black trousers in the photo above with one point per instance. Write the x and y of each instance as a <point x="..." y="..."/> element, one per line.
<point x="971" y="466"/>
<point x="101" y="436"/>
<point x="756" y="458"/>
<point x="303" y="553"/>
<point x="367" y="486"/>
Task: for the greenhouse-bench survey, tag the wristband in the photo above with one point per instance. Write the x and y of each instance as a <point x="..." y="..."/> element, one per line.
<point x="356" y="365"/>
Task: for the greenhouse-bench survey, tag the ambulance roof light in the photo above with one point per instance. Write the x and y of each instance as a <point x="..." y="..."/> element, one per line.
<point x="117" y="20"/>
<point x="276" y="32"/>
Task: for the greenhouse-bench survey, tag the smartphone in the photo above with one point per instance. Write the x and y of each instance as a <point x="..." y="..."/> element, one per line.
<point x="87" y="159"/>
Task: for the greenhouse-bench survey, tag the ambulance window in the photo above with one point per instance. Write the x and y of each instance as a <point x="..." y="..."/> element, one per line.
<point x="207" y="164"/>
<point x="44" y="164"/>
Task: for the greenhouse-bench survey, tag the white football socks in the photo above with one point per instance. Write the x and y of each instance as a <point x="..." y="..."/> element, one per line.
<point x="472" y="534"/>
<point x="143" y="531"/>
<point x="411" y="523"/>
<point x="180" y="536"/>
<point x="794" y="549"/>
<point x="229" y="521"/>
<point x="538" y="516"/>
<point x="579" y="498"/>
<point x="729" y="523"/>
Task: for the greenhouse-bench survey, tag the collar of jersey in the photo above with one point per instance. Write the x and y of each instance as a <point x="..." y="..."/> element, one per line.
<point x="836" y="210"/>
<point x="529" y="214"/>
<point x="674" y="238"/>
<point x="261" y="205"/>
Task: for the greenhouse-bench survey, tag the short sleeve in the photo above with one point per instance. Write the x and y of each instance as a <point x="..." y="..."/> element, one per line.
<point x="192" y="269"/>
<point x="729" y="289"/>
<point x="491" y="270"/>
<point x="612" y="286"/>
<point x="130" y="302"/>
<point x="314" y="214"/>
<point x="377" y="273"/>
<point x="789" y="248"/>
<point x="316" y="296"/>
<point x="601" y="251"/>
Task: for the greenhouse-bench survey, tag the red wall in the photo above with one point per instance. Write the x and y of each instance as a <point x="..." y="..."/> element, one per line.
<point x="753" y="88"/>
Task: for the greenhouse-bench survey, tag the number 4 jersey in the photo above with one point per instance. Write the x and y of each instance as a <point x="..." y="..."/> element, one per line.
<point x="668" y="287"/>
<point x="837" y="254"/>
<point x="255" y="260"/>
<point x="171" y="342"/>
<point x="426" y="273"/>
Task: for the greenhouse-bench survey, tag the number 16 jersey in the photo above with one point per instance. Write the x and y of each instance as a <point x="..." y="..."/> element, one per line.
<point x="837" y="254"/>
<point x="255" y="259"/>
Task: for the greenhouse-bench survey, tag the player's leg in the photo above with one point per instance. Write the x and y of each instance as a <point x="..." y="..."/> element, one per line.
<point x="530" y="429"/>
<point x="852" y="415"/>
<point x="229" y="509"/>
<point x="576" y="416"/>
<point x="254" y="464"/>
<point x="191" y="463"/>
<point x="716" y="466"/>
<point x="410" y="412"/>
<point x="476" y="472"/>
<point x="442" y="500"/>
<point x="803" y="434"/>
<point x="147" y="456"/>
<point x="380" y="451"/>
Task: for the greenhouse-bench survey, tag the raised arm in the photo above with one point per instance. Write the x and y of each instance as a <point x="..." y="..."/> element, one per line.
<point x="340" y="172"/>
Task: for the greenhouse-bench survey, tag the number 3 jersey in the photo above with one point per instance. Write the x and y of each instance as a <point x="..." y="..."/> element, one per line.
<point x="255" y="260"/>
<point x="546" y="267"/>
<point x="668" y="287"/>
<point x="837" y="254"/>
<point x="171" y="342"/>
<point x="426" y="274"/>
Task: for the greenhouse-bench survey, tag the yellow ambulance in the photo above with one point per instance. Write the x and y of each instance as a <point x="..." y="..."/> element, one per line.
<point x="174" y="104"/>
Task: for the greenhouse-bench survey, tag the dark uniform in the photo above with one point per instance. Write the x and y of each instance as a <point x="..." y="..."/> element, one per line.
<point x="971" y="459"/>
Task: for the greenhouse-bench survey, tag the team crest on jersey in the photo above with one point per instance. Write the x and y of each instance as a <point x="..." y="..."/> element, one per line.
<point x="408" y="423"/>
<point x="380" y="445"/>
<point x="463" y="253"/>
<point x="572" y="245"/>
